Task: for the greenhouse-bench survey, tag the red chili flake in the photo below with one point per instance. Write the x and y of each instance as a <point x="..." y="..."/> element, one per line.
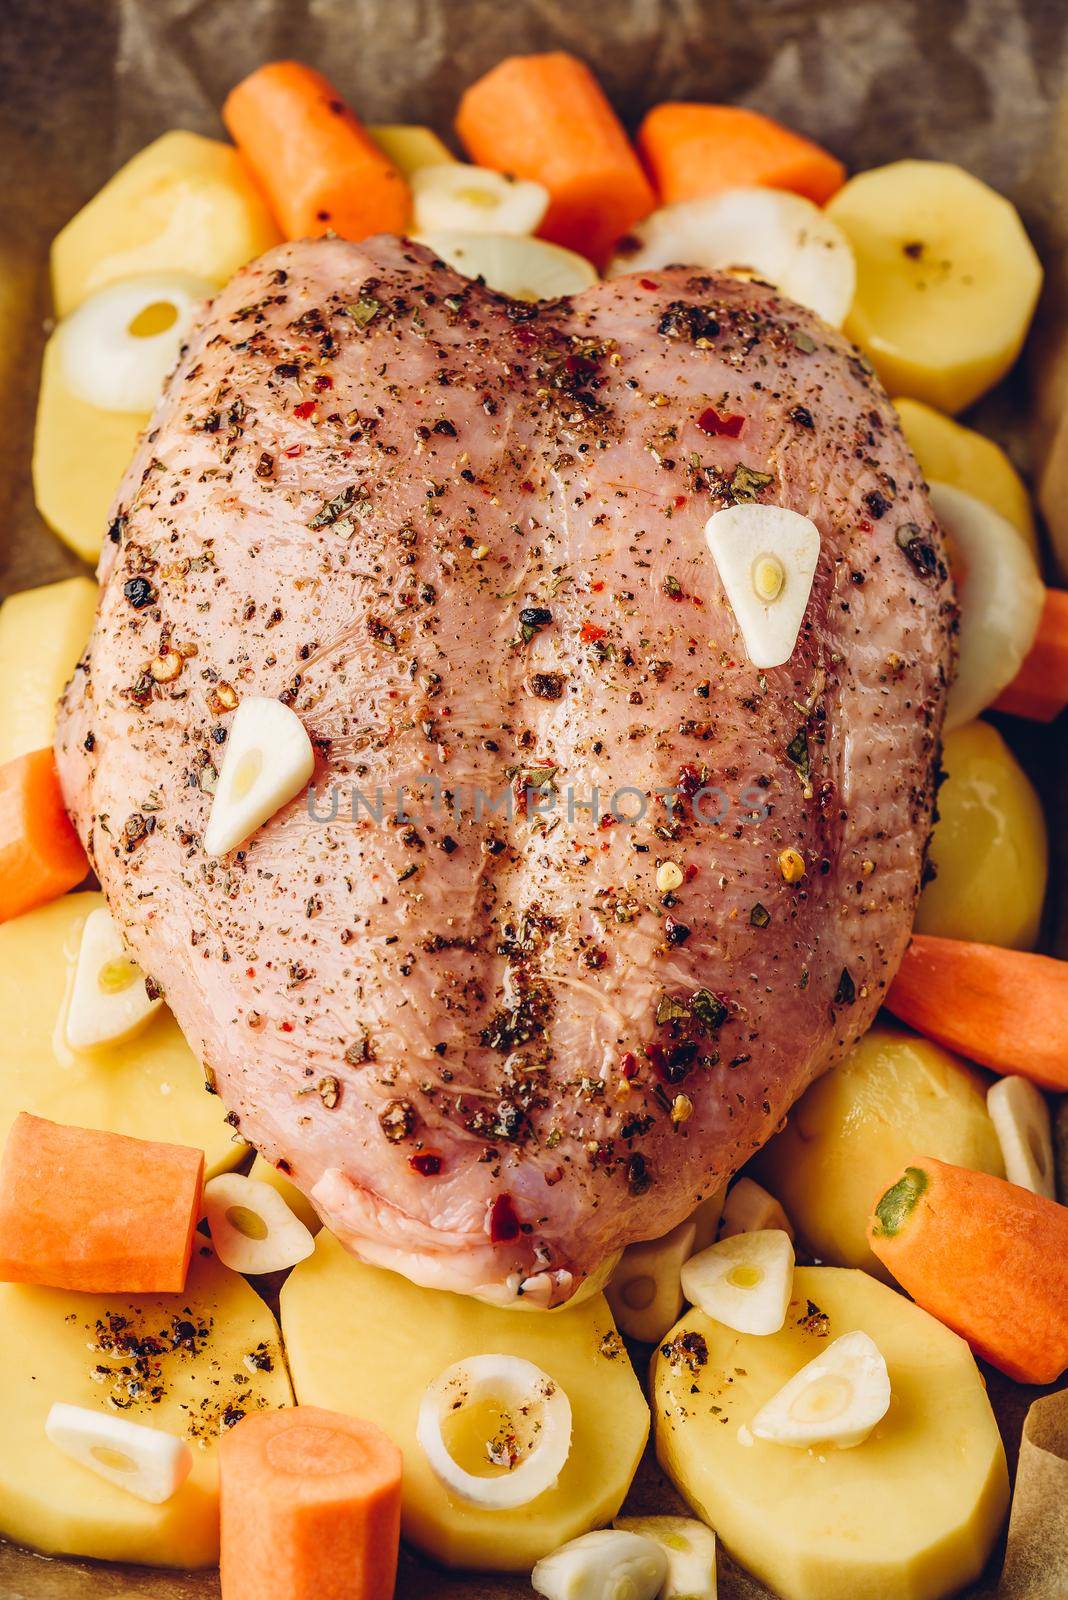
<point x="648" y="283"/>
<point x="524" y="335"/>
<point x="598" y="586"/>
<point x="628" y="1065"/>
<point x="427" y="1163"/>
<point x="304" y="409"/>
<point x="294" y="450"/>
<point x="322" y="382"/>
<point x="526" y="486"/>
<point x="690" y="872"/>
<point x="589" y="633"/>
<point x="286" y="1027"/>
<point x="679" y="501"/>
<point x="503" y="1222"/>
<point x="724" y="427"/>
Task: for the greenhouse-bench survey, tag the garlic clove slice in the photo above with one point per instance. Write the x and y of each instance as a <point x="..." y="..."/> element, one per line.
<point x="532" y="1417"/>
<point x="1020" y="1116"/>
<point x="109" y="1000"/>
<point x="144" y="1461"/>
<point x="525" y="269"/>
<point x="766" y="559"/>
<point x="118" y="348"/>
<point x="690" y="1548"/>
<point x="456" y="195"/>
<point x="836" y="1399"/>
<point x="645" y="1291"/>
<point x="604" y="1565"/>
<point x="269" y="759"/>
<point x="770" y="234"/>
<point x="744" y="1282"/>
<point x="252" y="1228"/>
<point x="749" y="1208"/>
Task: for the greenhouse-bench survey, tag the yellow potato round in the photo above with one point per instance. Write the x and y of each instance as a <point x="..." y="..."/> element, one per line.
<point x="910" y="1514"/>
<point x="848" y="1136"/>
<point x="191" y="1364"/>
<point x="42" y="634"/>
<point x="950" y="453"/>
<point x="989" y="846"/>
<point x="410" y="146"/>
<point x="947" y="279"/>
<point x="368" y="1342"/>
<point x="151" y="1087"/>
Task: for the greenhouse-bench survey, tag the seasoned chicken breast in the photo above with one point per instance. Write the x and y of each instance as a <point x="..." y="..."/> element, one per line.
<point x="458" y="991"/>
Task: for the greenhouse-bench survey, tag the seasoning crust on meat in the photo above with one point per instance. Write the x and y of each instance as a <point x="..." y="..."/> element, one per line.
<point x="463" y="538"/>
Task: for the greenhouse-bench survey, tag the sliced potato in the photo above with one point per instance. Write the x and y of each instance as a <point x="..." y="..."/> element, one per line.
<point x="989" y="847"/>
<point x="150" y="1087"/>
<point x="190" y="1364"/>
<point x="367" y="1342"/>
<point x="950" y="453"/>
<point x="42" y="634"/>
<point x="910" y="1514"/>
<point x="854" y="1128"/>
<point x="947" y="279"/>
<point x="410" y="146"/>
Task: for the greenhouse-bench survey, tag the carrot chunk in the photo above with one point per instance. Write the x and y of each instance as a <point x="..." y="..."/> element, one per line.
<point x="98" y="1212"/>
<point x="310" y="1507"/>
<point x="546" y="117"/>
<point x="40" y="854"/>
<point x="1006" y="1009"/>
<point x="315" y="161"/>
<point x="693" y="150"/>
<point x="985" y="1257"/>
<point x="1040" y="688"/>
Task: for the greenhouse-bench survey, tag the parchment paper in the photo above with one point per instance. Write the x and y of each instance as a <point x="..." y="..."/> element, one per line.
<point x="85" y="83"/>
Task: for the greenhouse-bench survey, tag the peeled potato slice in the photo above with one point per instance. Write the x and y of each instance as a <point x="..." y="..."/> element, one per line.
<point x="776" y="236"/>
<point x="252" y="1228"/>
<point x="602" y="1565"/>
<point x="453" y="194"/>
<point x="146" y="1462"/>
<point x="526" y="269"/>
<point x="410" y="146"/>
<point x="947" y="279"/>
<point x="1001" y="598"/>
<point x="948" y="452"/>
<point x="42" y="634"/>
<point x="109" y="1000"/>
<point x="645" y="1291"/>
<point x="743" y="1282"/>
<point x="1021" y="1121"/>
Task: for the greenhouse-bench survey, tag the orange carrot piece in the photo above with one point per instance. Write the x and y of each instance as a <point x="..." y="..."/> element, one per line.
<point x="1006" y="1009"/>
<point x="310" y="1506"/>
<point x="985" y="1257"/>
<point x="693" y="150"/>
<point x="98" y="1212"/>
<point x="547" y="118"/>
<point x="316" y="163"/>
<point x="1040" y="688"/>
<point x="40" y="854"/>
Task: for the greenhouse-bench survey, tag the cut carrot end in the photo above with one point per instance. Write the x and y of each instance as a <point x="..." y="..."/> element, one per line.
<point x="40" y="854"/>
<point x="694" y="150"/>
<point x="97" y="1212"/>
<point x="310" y="1505"/>
<point x="317" y="165"/>
<point x="1039" y="690"/>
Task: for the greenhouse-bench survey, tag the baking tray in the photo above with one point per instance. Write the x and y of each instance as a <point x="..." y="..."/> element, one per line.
<point x="85" y="83"/>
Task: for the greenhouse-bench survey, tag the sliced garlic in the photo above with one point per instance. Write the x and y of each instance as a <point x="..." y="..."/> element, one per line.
<point x="767" y="233"/>
<point x="531" y="1421"/>
<point x="269" y="759"/>
<point x="144" y="1461"/>
<point x="470" y="199"/>
<point x="749" y="1209"/>
<point x="743" y="1282"/>
<point x="608" y="1564"/>
<point x="120" y="345"/>
<point x="645" y="1292"/>
<point x="835" y="1400"/>
<point x="1001" y="599"/>
<point x="690" y="1548"/>
<point x="525" y="269"/>
<point x="252" y="1228"/>
<point x="1020" y="1116"/>
<point x="766" y="559"/>
<point x="109" y="1000"/>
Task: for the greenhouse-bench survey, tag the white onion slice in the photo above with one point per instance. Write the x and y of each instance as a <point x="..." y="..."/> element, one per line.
<point x="120" y="345"/>
<point x="1001" y="600"/>
<point x="526" y="269"/>
<point x="252" y="1228"/>
<point x="535" y="1403"/>
<point x="475" y="200"/>
<point x="773" y="235"/>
